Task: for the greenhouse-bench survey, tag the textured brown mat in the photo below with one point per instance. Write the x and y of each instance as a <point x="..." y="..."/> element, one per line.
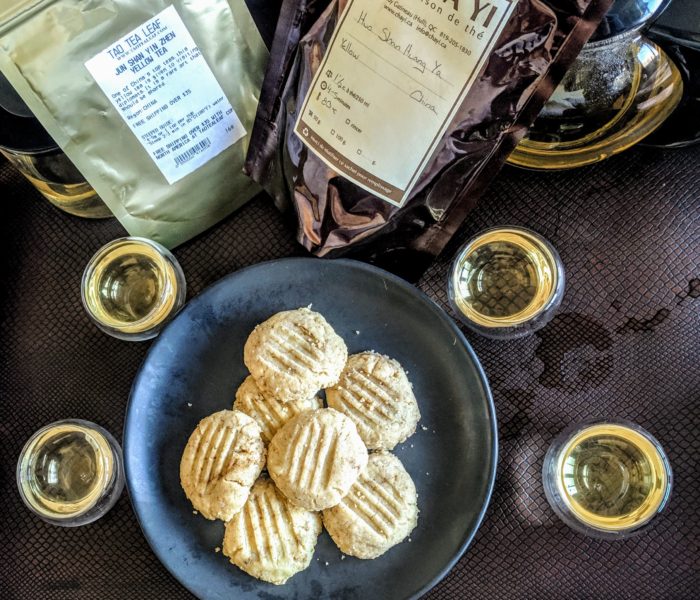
<point x="625" y="343"/>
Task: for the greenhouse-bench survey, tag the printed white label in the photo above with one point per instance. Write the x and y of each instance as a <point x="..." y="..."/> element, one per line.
<point x="393" y="76"/>
<point x="158" y="80"/>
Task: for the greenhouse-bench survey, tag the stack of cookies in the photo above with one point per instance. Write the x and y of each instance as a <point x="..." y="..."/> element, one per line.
<point x="317" y="460"/>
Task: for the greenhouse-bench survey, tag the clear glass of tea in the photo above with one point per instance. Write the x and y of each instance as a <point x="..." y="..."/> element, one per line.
<point x="607" y="479"/>
<point x="506" y="282"/>
<point x="132" y="287"/>
<point x="70" y="472"/>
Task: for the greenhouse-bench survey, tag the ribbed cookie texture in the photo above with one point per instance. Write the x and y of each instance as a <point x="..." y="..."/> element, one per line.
<point x="316" y="457"/>
<point x="222" y="459"/>
<point x="376" y="394"/>
<point x="294" y="354"/>
<point x="269" y="413"/>
<point x="379" y="511"/>
<point x="270" y="538"/>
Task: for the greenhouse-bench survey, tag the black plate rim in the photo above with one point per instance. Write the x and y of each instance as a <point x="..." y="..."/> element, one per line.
<point x="409" y="288"/>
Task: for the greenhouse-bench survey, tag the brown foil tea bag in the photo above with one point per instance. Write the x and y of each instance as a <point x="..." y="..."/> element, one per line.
<point x="382" y="121"/>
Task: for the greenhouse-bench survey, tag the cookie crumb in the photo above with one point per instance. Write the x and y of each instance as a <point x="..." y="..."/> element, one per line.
<point x="342" y="557"/>
<point x="194" y="512"/>
<point x="411" y="445"/>
<point x="424" y="428"/>
<point x="217" y="549"/>
<point x="326" y="563"/>
<point x="189" y="404"/>
<point x="409" y="540"/>
<point x="357" y="332"/>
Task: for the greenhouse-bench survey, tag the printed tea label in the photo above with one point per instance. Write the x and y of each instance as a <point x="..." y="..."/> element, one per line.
<point x="158" y="80"/>
<point x="391" y="80"/>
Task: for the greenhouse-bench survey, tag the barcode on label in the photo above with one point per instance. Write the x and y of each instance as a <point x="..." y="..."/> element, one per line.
<point x="192" y="152"/>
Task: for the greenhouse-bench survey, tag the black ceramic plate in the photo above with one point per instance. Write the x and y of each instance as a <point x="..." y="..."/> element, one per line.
<point x="195" y="366"/>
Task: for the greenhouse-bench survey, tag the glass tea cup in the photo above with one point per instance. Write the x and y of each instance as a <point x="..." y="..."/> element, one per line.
<point x="607" y="479"/>
<point x="132" y="287"/>
<point x="70" y="472"/>
<point x="506" y="282"/>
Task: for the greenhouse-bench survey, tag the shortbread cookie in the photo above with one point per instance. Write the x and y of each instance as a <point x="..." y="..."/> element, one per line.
<point x="269" y="413"/>
<point x="316" y="457"/>
<point x="270" y="538"/>
<point x="375" y="393"/>
<point x="294" y="354"/>
<point x="222" y="459"/>
<point x="379" y="511"/>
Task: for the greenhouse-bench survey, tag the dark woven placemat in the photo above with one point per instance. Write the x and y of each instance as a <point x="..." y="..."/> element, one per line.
<point x="625" y="344"/>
